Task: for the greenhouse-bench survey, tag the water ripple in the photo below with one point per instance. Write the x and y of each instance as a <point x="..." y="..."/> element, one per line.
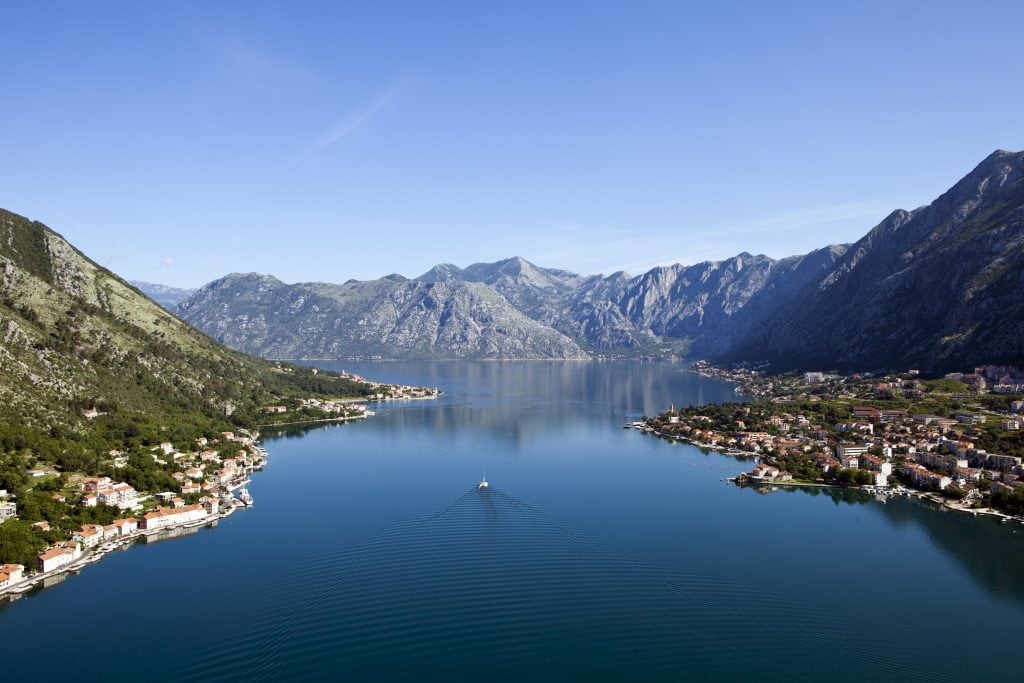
<point x="493" y="586"/>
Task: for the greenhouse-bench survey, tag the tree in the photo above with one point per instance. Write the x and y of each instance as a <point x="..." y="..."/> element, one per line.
<point x="19" y="543"/>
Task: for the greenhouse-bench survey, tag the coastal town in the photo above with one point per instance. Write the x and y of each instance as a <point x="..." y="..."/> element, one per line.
<point x="211" y="486"/>
<point x="957" y="439"/>
<point x="209" y="475"/>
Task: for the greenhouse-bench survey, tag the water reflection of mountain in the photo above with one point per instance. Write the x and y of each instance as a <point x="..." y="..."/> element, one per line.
<point x="518" y="401"/>
<point x="991" y="553"/>
<point x="838" y="496"/>
<point x="297" y="431"/>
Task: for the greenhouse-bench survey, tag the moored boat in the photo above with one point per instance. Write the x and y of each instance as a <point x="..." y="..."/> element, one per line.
<point x="245" y="496"/>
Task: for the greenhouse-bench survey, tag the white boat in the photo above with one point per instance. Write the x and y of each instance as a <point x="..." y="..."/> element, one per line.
<point x="244" y="496"/>
<point x="483" y="482"/>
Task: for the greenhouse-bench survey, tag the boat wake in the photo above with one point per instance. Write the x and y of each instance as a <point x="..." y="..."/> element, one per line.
<point x="494" y="583"/>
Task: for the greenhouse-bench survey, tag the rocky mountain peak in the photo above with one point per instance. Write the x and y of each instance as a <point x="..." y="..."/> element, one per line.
<point x="248" y="279"/>
<point x="442" y="272"/>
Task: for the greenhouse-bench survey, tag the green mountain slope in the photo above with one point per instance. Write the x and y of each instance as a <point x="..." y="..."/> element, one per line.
<point x="74" y="336"/>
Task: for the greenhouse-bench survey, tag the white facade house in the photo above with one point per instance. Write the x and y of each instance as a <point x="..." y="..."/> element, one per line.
<point x="89" y="535"/>
<point x="10" y="574"/>
<point x="164" y="517"/>
<point x="126" y="527"/>
<point x="120" y="495"/>
<point x="61" y="554"/>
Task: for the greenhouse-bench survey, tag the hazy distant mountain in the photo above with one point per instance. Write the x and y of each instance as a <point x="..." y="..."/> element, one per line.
<point x="168" y="297"/>
<point x="937" y="287"/>
<point x="391" y="317"/>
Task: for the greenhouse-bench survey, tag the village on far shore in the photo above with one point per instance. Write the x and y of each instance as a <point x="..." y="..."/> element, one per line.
<point x="313" y="409"/>
<point x="211" y="475"/>
<point x="957" y="439"/>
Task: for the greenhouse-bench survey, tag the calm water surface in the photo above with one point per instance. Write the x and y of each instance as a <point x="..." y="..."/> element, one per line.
<point x="598" y="553"/>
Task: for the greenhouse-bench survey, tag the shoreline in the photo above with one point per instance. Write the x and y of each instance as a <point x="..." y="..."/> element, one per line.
<point x="343" y="418"/>
<point x="743" y="478"/>
<point x="38" y="582"/>
<point x="386" y="399"/>
<point x="926" y="496"/>
<point x="42" y="580"/>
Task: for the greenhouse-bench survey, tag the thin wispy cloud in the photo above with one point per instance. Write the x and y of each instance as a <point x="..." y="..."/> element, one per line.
<point x="595" y="249"/>
<point x="258" y="68"/>
<point x="807" y="218"/>
<point x="345" y="126"/>
<point x="167" y="263"/>
<point x="778" y="235"/>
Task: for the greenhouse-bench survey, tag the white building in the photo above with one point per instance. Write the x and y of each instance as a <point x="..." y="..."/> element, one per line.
<point x="61" y="554"/>
<point x="844" y="451"/>
<point x="89" y="535"/>
<point x="126" y="527"/>
<point x="879" y="469"/>
<point x="10" y="574"/>
<point x="164" y="517"/>
<point x="121" y="495"/>
<point x="765" y="472"/>
<point x="926" y="479"/>
<point x="943" y="460"/>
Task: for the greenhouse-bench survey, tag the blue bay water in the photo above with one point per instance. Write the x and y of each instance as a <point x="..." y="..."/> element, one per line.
<point x="598" y="553"/>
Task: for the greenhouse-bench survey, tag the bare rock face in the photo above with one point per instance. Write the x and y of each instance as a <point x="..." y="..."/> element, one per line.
<point x="390" y="317"/>
<point x="938" y="287"/>
<point x="509" y="309"/>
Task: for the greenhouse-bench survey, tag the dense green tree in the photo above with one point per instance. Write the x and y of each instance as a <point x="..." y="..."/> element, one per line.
<point x="20" y="543"/>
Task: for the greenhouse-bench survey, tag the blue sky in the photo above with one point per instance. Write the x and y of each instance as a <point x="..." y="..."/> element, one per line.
<point x="175" y="142"/>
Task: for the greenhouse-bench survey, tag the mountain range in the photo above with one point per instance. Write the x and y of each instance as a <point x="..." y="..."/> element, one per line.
<point x="168" y="297"/>
<point x="936" y="287"/>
